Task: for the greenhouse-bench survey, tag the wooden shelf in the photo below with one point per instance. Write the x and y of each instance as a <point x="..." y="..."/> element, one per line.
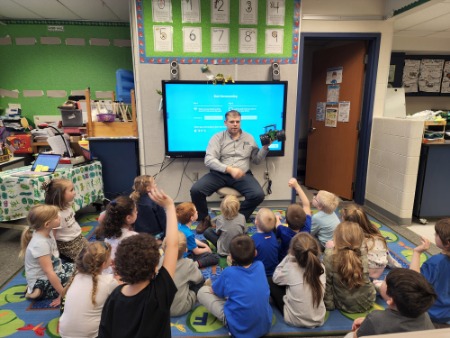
<point x="431" y="127"/>
<point x="111" y="129"/>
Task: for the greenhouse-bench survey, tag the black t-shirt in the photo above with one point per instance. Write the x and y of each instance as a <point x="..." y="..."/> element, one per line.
<point x="146" y="314"/>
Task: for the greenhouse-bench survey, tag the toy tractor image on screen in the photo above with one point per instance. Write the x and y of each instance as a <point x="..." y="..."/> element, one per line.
<point x="271" y="135"/>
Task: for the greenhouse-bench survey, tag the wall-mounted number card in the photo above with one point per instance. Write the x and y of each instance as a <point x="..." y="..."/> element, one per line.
<point x="220" y="11"/>
<point x="248" y="12"/>
<point x="192" y="39"/>
<point x="220" y="40"/>
<point x="274" y="41"/>
<point x="163" y="38"/>
<point x="162" y="11"/>
<point x="247" y="40"/>
<point x="190" y="11"/>
<point x="275" y="12"/>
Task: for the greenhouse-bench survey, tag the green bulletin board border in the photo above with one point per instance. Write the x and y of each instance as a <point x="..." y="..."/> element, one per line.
<point x="147" y="54"/>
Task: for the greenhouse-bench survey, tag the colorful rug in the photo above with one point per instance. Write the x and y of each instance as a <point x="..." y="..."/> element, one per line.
<point x="20" y="317"/>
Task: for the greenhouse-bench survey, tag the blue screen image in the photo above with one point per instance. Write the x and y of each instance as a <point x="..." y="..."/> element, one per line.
<point x="194" y="111"/>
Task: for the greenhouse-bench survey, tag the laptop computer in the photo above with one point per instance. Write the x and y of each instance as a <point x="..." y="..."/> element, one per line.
<point x="45" y="164"/>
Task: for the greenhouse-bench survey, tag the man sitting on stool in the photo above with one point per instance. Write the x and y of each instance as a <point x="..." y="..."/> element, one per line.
<point x="228" y="157"/>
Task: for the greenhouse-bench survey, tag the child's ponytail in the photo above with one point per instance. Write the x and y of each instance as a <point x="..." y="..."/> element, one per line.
<point x="25" y="239"/>
<point x="306" y="251"/>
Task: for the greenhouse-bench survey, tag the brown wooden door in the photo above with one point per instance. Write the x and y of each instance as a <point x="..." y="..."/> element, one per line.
<point x="332" y="151"/>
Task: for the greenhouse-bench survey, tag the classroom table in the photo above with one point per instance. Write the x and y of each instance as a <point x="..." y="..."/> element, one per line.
<point x="19" y="194"/>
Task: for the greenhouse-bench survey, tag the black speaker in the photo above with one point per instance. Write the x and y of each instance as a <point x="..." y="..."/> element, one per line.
<point x="275" y="71"/>
<point x="174" y="71"/>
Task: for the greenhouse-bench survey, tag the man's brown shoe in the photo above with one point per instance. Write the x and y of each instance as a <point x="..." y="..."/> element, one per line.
<point x="203" y="225"/>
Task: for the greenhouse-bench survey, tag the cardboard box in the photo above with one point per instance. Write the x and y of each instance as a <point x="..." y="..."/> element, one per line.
<point x="21" y="143"/>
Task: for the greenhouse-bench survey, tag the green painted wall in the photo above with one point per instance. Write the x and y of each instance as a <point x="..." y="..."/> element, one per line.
<point x="59" y="67"/>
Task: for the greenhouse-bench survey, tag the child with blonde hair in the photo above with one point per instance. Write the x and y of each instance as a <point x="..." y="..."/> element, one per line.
<point x="45" y="273"/>
<point x="348" y="286"/>
<point x="325" y="220"/>
<point x="151" y="218"/>
<point x="60" y="192"/>
<point x="436" y="270"/>
<point x="141" y="306"/>
<point x="266" y="243"/>
<point x="118" y="223"/>
<point x="298" y="219"/>
<point x="298" y="286"/>
<point x="188" y="280"/>
<point x="196" y="249"/>
<point x="228" y="225"/>
<point x="87" y="291"/>
<point x="377" y="251"/>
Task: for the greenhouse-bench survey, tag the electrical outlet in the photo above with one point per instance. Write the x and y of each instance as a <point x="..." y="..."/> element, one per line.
<point x="266" y="175"/>
<point x="195" y="176"/>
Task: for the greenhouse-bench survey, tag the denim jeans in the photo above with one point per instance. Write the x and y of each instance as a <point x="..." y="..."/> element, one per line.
<point x="247" y="185"/>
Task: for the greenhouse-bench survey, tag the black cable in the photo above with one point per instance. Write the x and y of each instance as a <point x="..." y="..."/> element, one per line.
<point x="181" y="180"/>
<point x="269" y="187"/>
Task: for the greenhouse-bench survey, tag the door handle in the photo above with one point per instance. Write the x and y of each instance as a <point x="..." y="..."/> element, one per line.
<point x="312" y="129"/>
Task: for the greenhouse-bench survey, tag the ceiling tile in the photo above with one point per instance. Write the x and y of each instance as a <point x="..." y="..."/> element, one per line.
<point x="92" y="10"/>
<point x="437" y="24"/>
<point x="45" y="9"/>
<point x="421" y="15"/>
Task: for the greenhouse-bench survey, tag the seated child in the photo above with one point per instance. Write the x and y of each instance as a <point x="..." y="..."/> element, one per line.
<point x="141" y="306"/>
<point x="46" y="274"/>
<point x="151" y="218"/>
<point x="298" y="218"/>
<point x="229" y="224"/>
<point x="265" y="241"/>
<point x="188" y="279"/>
<point x="117" y="223"/>
<point x="378" y="256"/>
<point x="408" y="296"/>
<point x="199" y="251"/>
<point x="298" y="285"/>
<point x="348" y="286"/>
<point x="325" y="220"/>
<point x="86" y="292"/>
<point x="240" y="296"/>
<point x="436" y="270"/>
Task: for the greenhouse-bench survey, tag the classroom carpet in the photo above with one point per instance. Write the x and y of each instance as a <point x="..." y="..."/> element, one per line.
<point x="20" y="317"/>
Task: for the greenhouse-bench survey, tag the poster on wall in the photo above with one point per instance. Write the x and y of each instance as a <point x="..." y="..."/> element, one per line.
<point x="162" y="11"/>
<point x="220" y="40"/>
<point x="331" y="115"/>
<point x="192" y="39"/>
<point x="411" y="76"/>
<point x="333" y="93"/>
<point x="163" y="38"/>
<point x="344" y="111"/>
<point x="277" y="31"/>
<point x="190" y="11"/>
<point x="430" y="75"/>
<point x="320" y="111"/>
<point x="220" y="11"/>
<point x="275" y="12"/>
<point x="334" y="75"/>
<point x="248" y="12"/>
<point x="445" y="88"/>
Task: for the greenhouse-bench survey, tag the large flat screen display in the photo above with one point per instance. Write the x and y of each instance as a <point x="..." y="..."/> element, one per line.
<point x="195" y="110"/>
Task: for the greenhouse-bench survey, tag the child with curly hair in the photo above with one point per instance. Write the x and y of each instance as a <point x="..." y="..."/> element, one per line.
<point x="229" y="224"/>
<point x="117" y="223"/>
<point x="348" y="286"/>
<point x="325" y="220"/>
<point x="298" y="285"/>
<point x="46" y="274"/>
<point x="151" y="218"/>
<point x="60" y="192"/>
<point x="436" y="270"/>
<point x="86" y="292"/>
<point x="377" y="251"/>
<point x="141" y="307"/>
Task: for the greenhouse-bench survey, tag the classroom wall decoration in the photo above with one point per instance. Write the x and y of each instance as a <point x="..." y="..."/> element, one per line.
<point x="218" y="31"/>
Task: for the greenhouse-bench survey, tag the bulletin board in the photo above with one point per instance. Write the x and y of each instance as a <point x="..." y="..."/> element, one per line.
<point x="243" y="32"/>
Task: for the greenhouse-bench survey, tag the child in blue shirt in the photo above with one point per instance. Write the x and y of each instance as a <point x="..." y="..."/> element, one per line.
<point x="298" y="218"/>
<point x="197" y="250"/>
<point x="265" y="240"/>
<point x="240" y="296"/>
